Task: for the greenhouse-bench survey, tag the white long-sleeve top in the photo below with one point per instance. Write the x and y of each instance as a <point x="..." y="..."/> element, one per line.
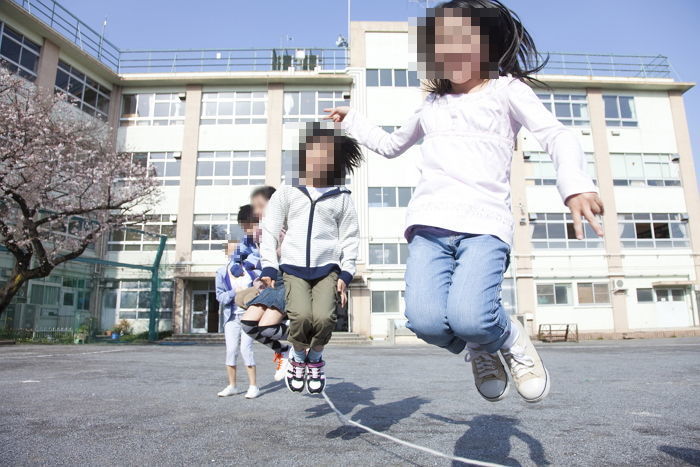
<point x="467" y="154"/>
<point x="322" y="233"/>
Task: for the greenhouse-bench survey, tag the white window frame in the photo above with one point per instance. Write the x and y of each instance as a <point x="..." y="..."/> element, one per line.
<point x="590" y="238"/>
<point x="176" y="110"/>
<point x="620" y="121"/>
<point x="672" y="219"/>
<point x="213" y="102"/>
<point x="554" y="99"/>
<point x="231" y="158"/>
<point x="670" y="178"/>
<point x="233" y="231"/>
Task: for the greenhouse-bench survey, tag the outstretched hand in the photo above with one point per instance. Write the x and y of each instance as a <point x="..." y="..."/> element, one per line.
<point x="588" y="205"/>
<point x="337" y="114"/>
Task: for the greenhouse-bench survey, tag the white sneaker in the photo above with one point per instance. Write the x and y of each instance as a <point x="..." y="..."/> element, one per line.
<point x="490" y="375"/>
<point x="252" y="393"/>
<point x="529" y="374"/>
<point x="229" y="391"/>
<point x="280" y="361"/>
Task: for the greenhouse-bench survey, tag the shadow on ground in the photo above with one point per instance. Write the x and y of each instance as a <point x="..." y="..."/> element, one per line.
<point x="347" y="396"/>
<point x="488" y="439"/>
<point x="691" y="456"/>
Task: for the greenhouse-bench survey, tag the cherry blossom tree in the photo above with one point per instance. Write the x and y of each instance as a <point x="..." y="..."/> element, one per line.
<point x="62" y="184"/>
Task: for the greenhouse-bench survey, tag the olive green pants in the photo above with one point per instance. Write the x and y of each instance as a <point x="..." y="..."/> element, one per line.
<point x="311" y="307"/>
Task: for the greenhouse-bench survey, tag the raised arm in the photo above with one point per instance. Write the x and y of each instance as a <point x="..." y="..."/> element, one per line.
<point x="389" y="145"/>
<point x="575" y="186"/>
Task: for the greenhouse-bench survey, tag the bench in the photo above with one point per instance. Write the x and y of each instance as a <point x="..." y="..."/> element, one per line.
<point x="558" y="333"/>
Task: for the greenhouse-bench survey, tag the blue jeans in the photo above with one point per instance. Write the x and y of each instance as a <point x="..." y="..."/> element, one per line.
<point x="453" y="290"/>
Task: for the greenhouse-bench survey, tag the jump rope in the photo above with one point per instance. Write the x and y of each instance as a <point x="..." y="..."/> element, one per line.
<point x="346" y="421"/>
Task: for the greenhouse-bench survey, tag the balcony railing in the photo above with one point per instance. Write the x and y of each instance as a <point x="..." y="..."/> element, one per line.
<point x="212" y="60"/>
<point x="222" y="60"/>
<point x="622" y="66"/>
<point x="54" y="15"/>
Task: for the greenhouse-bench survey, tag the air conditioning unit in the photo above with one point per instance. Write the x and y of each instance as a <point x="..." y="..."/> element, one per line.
<point x="182" y="96"/>
<point x="685" y="217"/>
<point x="618" y="285"/>
<point x="675" y="157"/>
<point x="527" y="155"/>
<point x="177" y="155"/>
<point x="173" y="218"/>
<point x="533" y="217"/>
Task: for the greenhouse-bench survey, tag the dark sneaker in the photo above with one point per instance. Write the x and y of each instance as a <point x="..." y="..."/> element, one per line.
<point x="315" y="377"/>
<point x="296" y="376"/>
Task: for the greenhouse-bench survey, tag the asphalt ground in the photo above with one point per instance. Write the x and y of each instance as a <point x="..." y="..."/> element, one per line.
<point x="612" y="403"/>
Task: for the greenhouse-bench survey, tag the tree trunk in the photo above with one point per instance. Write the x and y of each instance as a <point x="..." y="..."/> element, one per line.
<point x="10" y="289"/>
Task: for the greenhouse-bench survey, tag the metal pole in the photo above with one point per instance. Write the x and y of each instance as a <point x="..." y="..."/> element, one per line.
<point x="155" y="294"/>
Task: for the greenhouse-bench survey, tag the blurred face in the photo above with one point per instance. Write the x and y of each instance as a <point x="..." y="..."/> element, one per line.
<point x="319" y="161"/>
<point x="460" y="48"/>
<point x="259" y="204"/>
<point x="249" y="228"/>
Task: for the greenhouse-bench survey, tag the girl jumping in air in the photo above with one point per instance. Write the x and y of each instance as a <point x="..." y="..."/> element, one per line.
<point x="318" y="252"/>
<point x="475" y="55"/>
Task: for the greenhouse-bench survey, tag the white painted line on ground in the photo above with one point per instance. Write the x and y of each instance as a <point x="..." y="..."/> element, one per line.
<point x="30" y="381"/>
<point x="607" y="346"/>
<point x="347" y="421"/>
<point x="61" y="354"/>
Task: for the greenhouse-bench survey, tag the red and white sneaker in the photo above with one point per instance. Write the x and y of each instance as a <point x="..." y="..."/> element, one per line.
<point x="280" y="361"/>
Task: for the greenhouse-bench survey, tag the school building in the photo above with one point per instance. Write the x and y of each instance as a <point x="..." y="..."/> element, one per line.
<point x="217" y="123"/>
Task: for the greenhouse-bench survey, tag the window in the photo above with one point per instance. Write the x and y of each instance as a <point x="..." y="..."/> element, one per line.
<point x="657" y="230"/>
<point x="389" y="197"/>
<point x="152" y="109"/>
<point x="644" y="170"/>
<point x="554" y="294"/>
<point x="570" y="109"/>
<point x="131" y="240"/>
<point x="307" y="106"/>
<point x="388" y="253"/>
<point x="135" y="299"/>
<point x="556" y="230"/>
<point x="543" y="172"/>
<point x="593" y="293"/>
<point x="386" y="301"/>
<point x="231" y="168"/>
<point x="386" y="77"/>
<point x="620" y="111"/>
<point x="84" y="92"/>
<point x="17" y="53"/>
<point x="79" y="298"/>
<point x="645" y="296"/>
<point x="211" y="231"/>
<point x="227" y="108"/>
<point x="670" y="295"/>
<point x="166" y="165"/>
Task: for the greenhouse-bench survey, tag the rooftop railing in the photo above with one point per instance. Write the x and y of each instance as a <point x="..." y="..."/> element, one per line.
<point x="212" y="60"/>
<point x="623" y="66"/>
<point x="54" y="15"/>
<point x="222" y="60"/>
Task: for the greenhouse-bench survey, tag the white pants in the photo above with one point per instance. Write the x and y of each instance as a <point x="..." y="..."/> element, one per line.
<point x="237" y="339"/>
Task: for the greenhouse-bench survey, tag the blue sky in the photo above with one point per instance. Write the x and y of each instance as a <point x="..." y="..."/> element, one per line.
<point x="643" y="27"/>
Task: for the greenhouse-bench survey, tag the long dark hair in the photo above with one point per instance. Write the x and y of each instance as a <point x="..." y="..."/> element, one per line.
<point x="347" y="153"/>
<point x="511" y="48"/>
